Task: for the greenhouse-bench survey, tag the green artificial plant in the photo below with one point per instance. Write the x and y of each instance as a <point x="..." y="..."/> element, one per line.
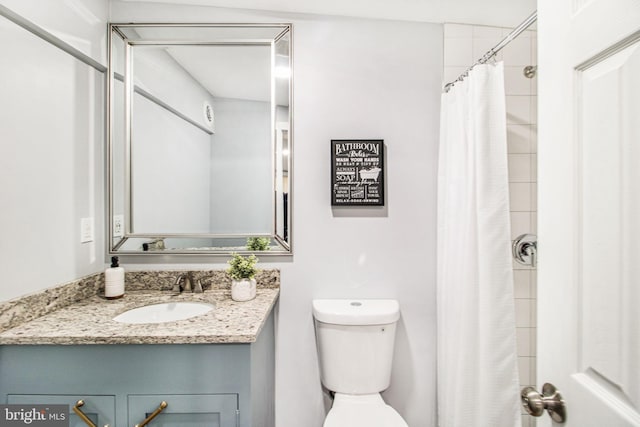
<point x="241" y="267"/>
<point x="258" y="243"/>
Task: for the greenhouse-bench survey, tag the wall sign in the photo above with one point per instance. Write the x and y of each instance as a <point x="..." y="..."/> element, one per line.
<point x="357" y="172"/>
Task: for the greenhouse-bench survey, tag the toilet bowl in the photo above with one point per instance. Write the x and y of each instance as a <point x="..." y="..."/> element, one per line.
<point x="368" y="410"/>
<point x="355" y="340"/>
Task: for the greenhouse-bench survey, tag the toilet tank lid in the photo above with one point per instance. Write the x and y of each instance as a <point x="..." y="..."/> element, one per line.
<point x="356" y="311"/>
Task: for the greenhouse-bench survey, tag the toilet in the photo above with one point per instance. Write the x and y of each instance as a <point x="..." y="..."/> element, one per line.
<point x="355" y="340"/>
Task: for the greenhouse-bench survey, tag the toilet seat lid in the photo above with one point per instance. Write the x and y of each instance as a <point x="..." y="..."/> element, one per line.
<point x="366" y="415"/>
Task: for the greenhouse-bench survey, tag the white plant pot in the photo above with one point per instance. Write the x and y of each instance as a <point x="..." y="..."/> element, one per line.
<point x="243" y="290"/>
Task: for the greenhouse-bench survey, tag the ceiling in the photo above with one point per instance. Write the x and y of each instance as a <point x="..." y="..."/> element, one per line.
<point x="504" y="13"/>
<point x="240" y="72"/>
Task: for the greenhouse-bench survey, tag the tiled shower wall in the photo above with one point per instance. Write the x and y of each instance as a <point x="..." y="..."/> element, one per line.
<point x="463" y="45"/>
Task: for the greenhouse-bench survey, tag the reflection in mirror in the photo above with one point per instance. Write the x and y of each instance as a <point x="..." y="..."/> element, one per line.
<point x="200" y="143"/>
<point x="282" y="71"/>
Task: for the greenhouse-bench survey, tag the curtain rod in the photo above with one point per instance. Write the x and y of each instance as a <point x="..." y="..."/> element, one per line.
<point x="497" y="48"/>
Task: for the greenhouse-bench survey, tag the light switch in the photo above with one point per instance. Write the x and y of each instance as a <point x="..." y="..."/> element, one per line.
<point x="118" y="225"/>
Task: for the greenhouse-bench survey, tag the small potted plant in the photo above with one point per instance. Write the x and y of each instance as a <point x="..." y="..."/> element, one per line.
<point x="242" y="271"/>
<point x="258" y="243"/>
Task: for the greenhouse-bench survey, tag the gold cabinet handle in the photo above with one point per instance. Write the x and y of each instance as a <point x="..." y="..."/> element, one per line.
<point x="154" y="414"/>
<point x="78" y="411"/>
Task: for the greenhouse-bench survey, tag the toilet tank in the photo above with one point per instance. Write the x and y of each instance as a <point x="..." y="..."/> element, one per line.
<point x="355" y="339"/>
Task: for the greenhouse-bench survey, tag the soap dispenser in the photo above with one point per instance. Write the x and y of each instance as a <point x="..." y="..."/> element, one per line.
<point x="114" y="280"/>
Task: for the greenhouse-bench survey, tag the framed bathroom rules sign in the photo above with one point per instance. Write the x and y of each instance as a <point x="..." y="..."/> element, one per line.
<point x="357" y="172"/>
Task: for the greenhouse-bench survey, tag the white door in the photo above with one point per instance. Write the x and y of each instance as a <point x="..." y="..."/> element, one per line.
<point x="589" y="209"/>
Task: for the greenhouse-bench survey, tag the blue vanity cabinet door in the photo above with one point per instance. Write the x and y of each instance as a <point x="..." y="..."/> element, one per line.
<point x="197" y="410"/>
<point x="99" y="409"/>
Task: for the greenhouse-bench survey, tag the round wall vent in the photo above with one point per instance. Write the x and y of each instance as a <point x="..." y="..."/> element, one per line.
<point x="208" y="114"/>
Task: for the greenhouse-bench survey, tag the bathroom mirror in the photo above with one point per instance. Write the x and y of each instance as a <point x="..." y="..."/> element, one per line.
<point x="199" y="144"/>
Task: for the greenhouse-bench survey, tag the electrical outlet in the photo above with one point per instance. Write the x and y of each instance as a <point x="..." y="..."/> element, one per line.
<point x="86" y="230"/>
<point x="118" y="226"/>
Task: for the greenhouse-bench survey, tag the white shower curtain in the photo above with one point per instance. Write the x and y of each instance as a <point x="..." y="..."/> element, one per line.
<point x="477" y="363"/>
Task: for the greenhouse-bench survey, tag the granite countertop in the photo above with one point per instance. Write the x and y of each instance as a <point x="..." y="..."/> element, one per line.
<point x="89" y="321"/>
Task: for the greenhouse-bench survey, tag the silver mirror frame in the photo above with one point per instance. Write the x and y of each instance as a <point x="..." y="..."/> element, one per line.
<point x="281" y="245"/>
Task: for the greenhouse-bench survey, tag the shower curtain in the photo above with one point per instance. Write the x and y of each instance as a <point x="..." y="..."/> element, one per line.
<point x="477" y="363"/>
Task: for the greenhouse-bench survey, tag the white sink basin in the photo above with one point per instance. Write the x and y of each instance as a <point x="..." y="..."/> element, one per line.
<point x="164" y="312"/>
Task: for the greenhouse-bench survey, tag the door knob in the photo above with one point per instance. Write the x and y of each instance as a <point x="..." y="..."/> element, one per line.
<point x="550" y="399"/>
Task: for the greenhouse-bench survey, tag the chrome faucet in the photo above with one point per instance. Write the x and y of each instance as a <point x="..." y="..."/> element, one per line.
<point x="184" y="283"/>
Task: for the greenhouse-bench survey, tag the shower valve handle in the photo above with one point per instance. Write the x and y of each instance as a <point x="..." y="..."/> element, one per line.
<point x="525" y="249"/>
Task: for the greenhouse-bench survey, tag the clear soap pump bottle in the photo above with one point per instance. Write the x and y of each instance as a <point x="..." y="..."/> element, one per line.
<point x="114" y="280"/>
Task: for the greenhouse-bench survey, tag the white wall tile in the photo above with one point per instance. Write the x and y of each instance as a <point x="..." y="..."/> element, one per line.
<point x="534" y="109"/>
<point x="534" y="50"/>
<point x="518" y="110"/>
<point x="517" y="266"/>
<point x="520" y="223"/>
<point x="534" y="343"/>
<point x="457" y="31"/>
<point x="534" y="84"/>
<point x="517" y="53"/>
<point x="521" y="284"/>
<point x="520" y="196"/>
<point x="534" y="138"/>
<point x="515" y="81"/>
<point x="534" y="284"/>
<point x="519" y="167"/>
<point x="523" y="338"/>
<point x="532" y="366"/>
<point x="458" y="52"/>
<point x="534" y="313"/>
<point x="483" y="32"/>
<point x="524" y="370"/>
<point x="519" y="139"/>
<point x="534" y="222"/>
<point x="534" y="196"/>
<point x="523" y="313"/>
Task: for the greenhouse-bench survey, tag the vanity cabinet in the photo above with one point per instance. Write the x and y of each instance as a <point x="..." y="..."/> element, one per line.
<point x="214" y="410"/>
<point x="99" y="409"/>
<point x="213" y="385"/>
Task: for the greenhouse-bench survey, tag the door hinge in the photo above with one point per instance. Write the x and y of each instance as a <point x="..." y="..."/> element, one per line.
<point x="237" y="417"/>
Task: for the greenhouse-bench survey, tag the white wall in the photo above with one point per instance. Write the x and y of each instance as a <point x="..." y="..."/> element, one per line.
<point x="80" y="23"/>
<point x="171" y="176"/>
<point x="157" y="72"/>
<point x="51" y="146"/>
<point x="390" y="89"/>
<point x="169" y="153"/>
<point x="354" y="79"/>
<point x="241" y="172"/>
